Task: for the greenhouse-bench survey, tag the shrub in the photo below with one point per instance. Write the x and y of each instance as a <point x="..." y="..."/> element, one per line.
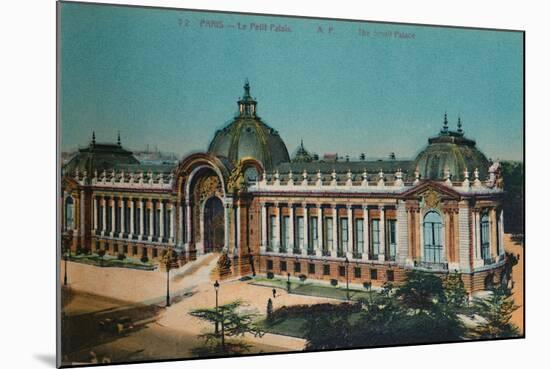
<point x="79" y="250"/>
<point x="101" y="253"/>
<point x="302" y="277"/>
<point x="333" y="282"/>
<point x="269" y="275"/>
<point x="121" y="256"/>
<point x="269" y="310"/>
<point x="144" y="259"/>
<point x="367" y="285"/>
<point x="314" y="310"/>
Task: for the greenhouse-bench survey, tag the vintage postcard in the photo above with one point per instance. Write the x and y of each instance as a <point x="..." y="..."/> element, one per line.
<point x="241" y="184"/>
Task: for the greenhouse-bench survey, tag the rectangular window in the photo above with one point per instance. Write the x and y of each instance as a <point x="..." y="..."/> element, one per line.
<point x="391" y="242"/>
<point x="272" y="231"/>
<point x="100" y="217"/>
<point x="313" y="234"/>
<point x="326" y="269"/>
<point x="286" y="232"/>
<point x="373" y="274"/>
<point x="485" y="246"/>
<point x="157" y="223"/>
<point x="167" y="223"/>
<point x="125" y="249"/>
<point x="357" y="272"/>
<point x="155" y="252"/>
<point x="390" y="275"/>
<point x="127" y="220"/>
<point x="300" y="231"/>
<point x="269" y="265"/>
<point x="134" y="250"/>
<point x="297" y="267"/>
<point x="343" y="236"/>
<point x="342" y="271"/>
<point x="359" y="237"/>
<point x="311" y="268"/>
<point x="328" y="234"/>
<point x="283" y="266"/>
<point x="375" y="237"/>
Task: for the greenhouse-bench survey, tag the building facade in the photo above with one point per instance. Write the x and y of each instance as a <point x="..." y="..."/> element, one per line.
<point x="366" y="221"/>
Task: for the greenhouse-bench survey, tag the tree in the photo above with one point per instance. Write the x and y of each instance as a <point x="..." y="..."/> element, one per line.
<point x="421" y="291"/>
<point x="496" y="312"/>
<point x="269" y="310"/>
<point x="234" y="322"/>
<point x="455" y="293"/>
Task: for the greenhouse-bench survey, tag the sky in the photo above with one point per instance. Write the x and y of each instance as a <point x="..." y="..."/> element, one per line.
<point x="171" y="78"/>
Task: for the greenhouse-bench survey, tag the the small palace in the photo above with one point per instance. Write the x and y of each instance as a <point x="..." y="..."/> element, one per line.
<point x="324" y="217"/>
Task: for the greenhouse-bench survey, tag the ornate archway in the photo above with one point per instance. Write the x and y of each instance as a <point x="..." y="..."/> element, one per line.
<point x="213" y="232"/>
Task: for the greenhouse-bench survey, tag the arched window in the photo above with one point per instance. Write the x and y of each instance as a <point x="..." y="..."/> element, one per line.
<point x="433" y="249"/>
<point x="69" y="213"/>
<point x="485" y="250"/>
<point x="251" y="174"/>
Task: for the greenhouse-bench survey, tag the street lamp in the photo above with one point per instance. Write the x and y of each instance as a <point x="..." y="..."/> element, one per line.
<point x="288" y="283"/>
<point x="346" y="262"/>
<point x="66" y="257"/>
<point x="167" y="264"/>
<point x="216" y="288"/>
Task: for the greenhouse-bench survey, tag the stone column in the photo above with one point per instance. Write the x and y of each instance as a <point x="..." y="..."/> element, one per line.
<point x="319" y="251"/>
<point x="113" y="224"/>
<point x="151" y="206"/>
<point x="366" y="235"/>
<point x="494" y="233"/>
<point x="122" y="213"/>
<point x="501" y="231"/>
<point x="172" y="222"/>
<point x="141" y="218"/>
<point x="277" y="245"/>
<point x="180" y="225"/>
<point x="381" y="254"/>
<point x="238" y="233"/>
<point x="188" y="235"/>
<point x="161" y="220"/>
<point x="349" y="251"/>
<point x="132" y="218"/>
<point x="104" y="216"/>
<point x="290" y="248"/>
<point x="95" y="215"/>
<point x="82" y="214"/>
<point x="306" y="230"/>
<point x="227" y="225"/>
<point x="334" y="230"/>
<point x="263" y="227"/>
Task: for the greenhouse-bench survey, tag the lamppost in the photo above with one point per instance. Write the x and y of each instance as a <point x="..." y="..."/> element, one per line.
<point x="216" y="288"/>
<point x="66" y="257"/>
<point x="346" y="262"/>
<point x="167" y="261"/>
<point x="288" y="283"/>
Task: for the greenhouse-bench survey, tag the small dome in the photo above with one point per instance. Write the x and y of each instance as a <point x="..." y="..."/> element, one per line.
<point x="302" y="155"/>
<point x="450" y="150"/>
<point x="248" y="136"/>
<point x="99" y="157"/>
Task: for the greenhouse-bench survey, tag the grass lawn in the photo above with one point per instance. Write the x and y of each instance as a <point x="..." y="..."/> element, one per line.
<point x="111" y="261"/>
<point x="312" y="289"/>
<point x="294" y="326"/>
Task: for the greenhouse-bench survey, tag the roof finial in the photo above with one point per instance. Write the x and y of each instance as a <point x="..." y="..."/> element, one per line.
<point x="246" y="88"/>
<point x="93" y="138"/>
<point x="459" y="125"/>
<point x="302" y="143"/>
<point x="445" y="124"/>
<point x="118" y="138"/>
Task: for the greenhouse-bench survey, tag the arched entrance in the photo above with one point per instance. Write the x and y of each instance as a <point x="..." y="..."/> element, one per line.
<point x="213" y="225"/>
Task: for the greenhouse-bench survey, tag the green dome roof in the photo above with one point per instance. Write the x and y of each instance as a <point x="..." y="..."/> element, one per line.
<point x="247" y="136"/>
<point x="450" y="150"/>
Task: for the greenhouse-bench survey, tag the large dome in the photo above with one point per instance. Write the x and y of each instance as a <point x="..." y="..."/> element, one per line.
<point x="450" y="149"/>
<point x="247" y="136"/>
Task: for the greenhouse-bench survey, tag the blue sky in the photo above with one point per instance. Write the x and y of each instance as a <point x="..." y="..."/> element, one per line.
<point x="164" y="78"/>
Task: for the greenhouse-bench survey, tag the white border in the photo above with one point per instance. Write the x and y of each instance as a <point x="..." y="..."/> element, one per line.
<point x="28" y="181"/>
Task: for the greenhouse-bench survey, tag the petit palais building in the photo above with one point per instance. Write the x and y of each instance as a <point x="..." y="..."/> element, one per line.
<point x="325" y="218"/>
